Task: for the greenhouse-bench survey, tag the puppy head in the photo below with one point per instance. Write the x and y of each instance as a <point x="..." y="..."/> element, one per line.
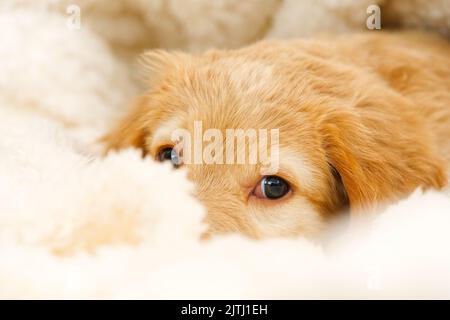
<point x="332" y="151"/>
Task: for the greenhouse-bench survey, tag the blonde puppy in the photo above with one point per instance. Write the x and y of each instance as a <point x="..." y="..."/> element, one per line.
<point x="359" y="121"/>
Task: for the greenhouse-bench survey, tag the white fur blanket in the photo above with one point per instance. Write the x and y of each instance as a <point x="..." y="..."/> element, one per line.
<point x="73" y="225"/>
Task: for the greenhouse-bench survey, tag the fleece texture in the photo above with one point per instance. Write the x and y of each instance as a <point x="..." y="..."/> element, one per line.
<point x="76" y="225"/>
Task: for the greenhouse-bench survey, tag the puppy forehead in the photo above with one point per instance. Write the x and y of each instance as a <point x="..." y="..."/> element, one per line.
<point x="162" y="135"/>
<point x="249" y="76"/>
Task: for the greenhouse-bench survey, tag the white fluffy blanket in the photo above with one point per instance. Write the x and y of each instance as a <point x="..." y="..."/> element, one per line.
<point x="73" y="225"/>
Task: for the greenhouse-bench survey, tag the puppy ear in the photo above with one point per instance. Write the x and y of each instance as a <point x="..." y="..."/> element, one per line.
<point x="155" y="63"/>
<point x="131" y="130"/>
<point x="379" y="158"/>
<point x="155" y="66"/>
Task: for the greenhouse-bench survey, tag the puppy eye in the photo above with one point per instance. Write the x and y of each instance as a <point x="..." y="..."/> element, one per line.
<point x="271" y="187"/>
<point x="169" y="154"/>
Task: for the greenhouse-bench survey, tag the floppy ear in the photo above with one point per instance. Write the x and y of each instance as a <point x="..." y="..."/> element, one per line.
<point x="155" y="67"/>
<point x="380" y="159"/>
<point x="131" y="130"/>
<point x="154" y="64"/>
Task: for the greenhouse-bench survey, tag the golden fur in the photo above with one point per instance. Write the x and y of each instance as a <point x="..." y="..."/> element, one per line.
<point x="364" y="120"/>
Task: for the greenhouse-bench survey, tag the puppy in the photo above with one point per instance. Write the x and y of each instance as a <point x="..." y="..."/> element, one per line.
<point x="363" y="120"/>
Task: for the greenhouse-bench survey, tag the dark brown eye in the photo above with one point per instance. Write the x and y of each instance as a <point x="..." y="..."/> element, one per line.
<point x="169" y="154"/>
<point x="271" y="187"/>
